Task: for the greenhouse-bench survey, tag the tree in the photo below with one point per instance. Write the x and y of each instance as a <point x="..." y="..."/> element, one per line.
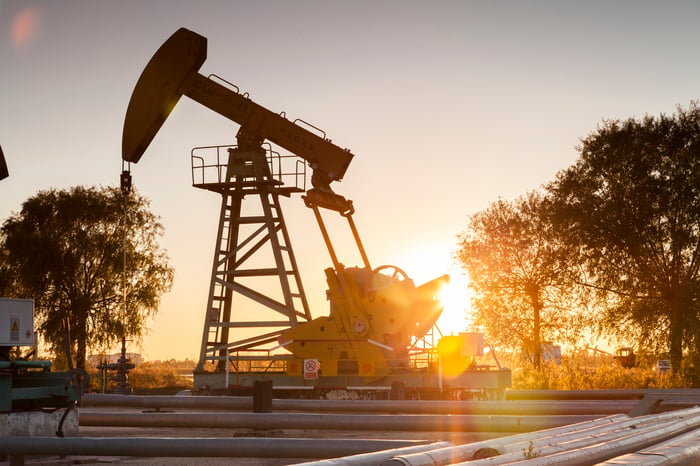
<point x="88" y="257"/>
<point x="632" y="203"/>
<point x="519" y="273"/>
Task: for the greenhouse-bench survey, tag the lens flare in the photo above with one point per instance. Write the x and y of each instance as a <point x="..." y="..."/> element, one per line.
<point x="454" y="296"/>
<point x="25" y="27"/>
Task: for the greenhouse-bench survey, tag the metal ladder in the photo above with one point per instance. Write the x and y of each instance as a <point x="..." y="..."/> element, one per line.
<point x="252" y="243"/>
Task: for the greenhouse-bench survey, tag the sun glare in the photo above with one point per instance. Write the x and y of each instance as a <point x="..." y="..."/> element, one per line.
<point x="431" y="263"/>
<point x="455" y="298"/>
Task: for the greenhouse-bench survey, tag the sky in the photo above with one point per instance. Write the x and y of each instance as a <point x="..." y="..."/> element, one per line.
<point x="447" y="106"/>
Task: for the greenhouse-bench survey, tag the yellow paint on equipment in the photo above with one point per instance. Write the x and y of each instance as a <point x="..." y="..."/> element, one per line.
<point x="374" y="318"/>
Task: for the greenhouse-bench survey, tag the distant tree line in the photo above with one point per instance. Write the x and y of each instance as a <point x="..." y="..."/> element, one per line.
<point x="610" y="247"/>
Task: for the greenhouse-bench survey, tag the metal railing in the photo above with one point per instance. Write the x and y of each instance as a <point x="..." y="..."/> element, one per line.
<point x="210" y="164"/>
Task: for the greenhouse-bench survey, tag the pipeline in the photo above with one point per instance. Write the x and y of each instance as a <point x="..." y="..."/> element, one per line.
<point x="606" y="394"/>
<point x="655" y="424"/>
<point x="268" y="421"/>
<point x="603" y="451"/>
<point x="683" y="450"/>
<point x="554" y="447"/>
<point x="201" y="447"/>
<point x="158" y="402"/>
<point x="538" y="407"/>
<point x="377" y="457"/>
<point x="524" y="408"/>
<point x="449" y="455"/>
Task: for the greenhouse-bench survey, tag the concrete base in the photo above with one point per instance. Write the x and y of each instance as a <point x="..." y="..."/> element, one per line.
<point x="38" y="424"/>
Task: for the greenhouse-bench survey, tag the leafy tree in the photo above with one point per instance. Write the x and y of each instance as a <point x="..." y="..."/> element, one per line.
<point x="632" y="203"/>
<point x="520" y="274"/>
<point x="6" y="277"/>
<point x="88" y="257"/>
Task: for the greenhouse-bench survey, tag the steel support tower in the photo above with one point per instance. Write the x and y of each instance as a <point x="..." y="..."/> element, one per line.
<point x="255" y="291"/>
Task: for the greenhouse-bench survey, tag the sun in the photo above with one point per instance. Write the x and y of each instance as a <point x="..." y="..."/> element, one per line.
<point x="455" y="317"/>
<point x="431" y="262"/>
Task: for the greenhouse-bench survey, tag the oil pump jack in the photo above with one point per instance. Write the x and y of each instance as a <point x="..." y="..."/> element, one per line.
<point x="377" y="316"/>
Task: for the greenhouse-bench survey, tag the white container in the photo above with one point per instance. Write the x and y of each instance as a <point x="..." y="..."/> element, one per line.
<point x="472" y="344"/>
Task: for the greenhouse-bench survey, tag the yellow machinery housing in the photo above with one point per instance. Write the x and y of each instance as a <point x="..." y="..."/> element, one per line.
<point x="374" y="318"/>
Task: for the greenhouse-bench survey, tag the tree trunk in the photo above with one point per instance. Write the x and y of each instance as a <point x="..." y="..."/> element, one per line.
<point x="533" y="291"/>
<point x="80" y="355"/>
<point x="676" y="338"/>
<point x="80" y="337"/>
<point x="536" y="335"/>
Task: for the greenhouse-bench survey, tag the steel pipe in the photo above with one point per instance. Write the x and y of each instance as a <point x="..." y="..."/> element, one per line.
<point x="158" y="402"/>
<point x="683" y="450"/>
<point x="553" y="447"/>
<point x="449" y="455"/>
<point x="199" y="447"/>
<point x="267" y="421"/>
<point x="608" y="394"/>
<point x="604" y="451"/>
<point x="525" y="407"/>
<point x="520" y="442"/>
<point x="377" y="457"/>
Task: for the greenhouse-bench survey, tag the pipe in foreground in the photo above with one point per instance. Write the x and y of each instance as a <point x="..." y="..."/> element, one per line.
<point x="617" y="429"/>
<point x="268" y="421"/>
<point x="525" y="407"/>
<point x="200" y="447"/>
<point x="520" y="442"/>
<point x="552" y="447"/>
<point x="449" y="455"/>
<point x="603" y="451"/>
<point x="377" y="457"/>
<point x="683" y="450"/>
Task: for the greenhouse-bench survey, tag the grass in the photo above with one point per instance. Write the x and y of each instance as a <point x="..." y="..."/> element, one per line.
<point x="585" y="372"/>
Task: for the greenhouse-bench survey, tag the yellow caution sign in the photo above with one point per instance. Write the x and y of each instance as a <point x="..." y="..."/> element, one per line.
<point x="14" y="329"/>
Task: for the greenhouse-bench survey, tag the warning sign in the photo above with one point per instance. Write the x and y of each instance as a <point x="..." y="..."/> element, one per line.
<point x="16" y="322"/>
<point x="310" y="369"/>
<point x="14" y="328"/>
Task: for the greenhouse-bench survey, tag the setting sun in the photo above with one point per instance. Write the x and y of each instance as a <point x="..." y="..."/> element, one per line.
<point x="455" y="297"/>
<point x="435" y="260"/>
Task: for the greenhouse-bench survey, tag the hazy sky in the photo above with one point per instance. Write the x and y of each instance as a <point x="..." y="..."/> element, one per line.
<point x="447" y="105"/>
